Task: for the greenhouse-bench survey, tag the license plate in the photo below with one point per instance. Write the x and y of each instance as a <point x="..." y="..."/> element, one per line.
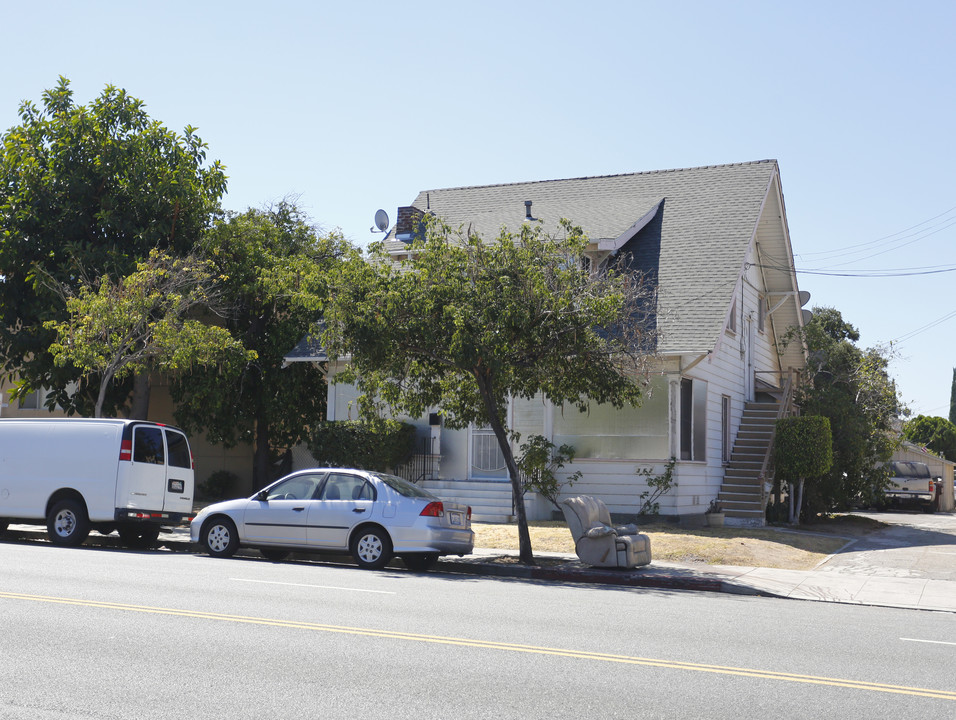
<point x="456" y="518"/>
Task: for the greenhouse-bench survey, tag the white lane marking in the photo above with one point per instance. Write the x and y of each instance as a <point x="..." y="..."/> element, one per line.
<point x="934" y="642"/>
<point x="320" y="587"/>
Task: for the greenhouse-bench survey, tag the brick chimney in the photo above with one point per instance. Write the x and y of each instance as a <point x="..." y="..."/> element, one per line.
<point x="408" y="226"/>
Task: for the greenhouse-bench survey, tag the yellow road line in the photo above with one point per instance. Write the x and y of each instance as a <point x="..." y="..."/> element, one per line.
<point x="492" y="645"/>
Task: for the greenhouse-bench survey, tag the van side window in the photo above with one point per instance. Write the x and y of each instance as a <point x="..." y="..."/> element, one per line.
<point x="148" y="445"/>
<point x="178" y="449"/>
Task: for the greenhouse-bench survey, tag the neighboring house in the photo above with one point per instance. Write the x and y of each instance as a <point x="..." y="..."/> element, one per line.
<point x="716" y="242"/>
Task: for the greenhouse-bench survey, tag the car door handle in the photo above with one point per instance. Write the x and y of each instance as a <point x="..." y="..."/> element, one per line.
<point x="299" y="509"/>
<point x="358" y="510"/>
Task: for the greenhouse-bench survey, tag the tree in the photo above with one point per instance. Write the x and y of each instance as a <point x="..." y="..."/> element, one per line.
<point x="952" y="399"/>
<point x="273" y="269"/>
<point x="852" y="388"/>
<point x="86" y="192"/>
<point x="802" y="450"/>
<point x="936" y="433"/>
<point x="142" y="323"/>
<point x="465" y="324"/>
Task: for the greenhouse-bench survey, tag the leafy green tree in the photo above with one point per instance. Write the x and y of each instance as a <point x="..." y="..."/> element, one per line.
<point x="142" y="323"/>
<point x="273" y="269"/>
<point x="936" y="433"/>
<point x="952" y="399"/>
<point x="802" y="450"/>
<point x="85" y="192"/>
<point x="852" y="388"/>
<point x="465" y="324"/>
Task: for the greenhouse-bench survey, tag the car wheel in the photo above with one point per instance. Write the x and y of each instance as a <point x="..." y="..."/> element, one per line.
<point x="420" y="563"/>
<point x="220" y="537"/>
<point x="139" y="538"/>
<point x="371" y="548"/>
<point x="273" y="554"/>
<point x="3" y="525"/>
<point x="67" y="524"/>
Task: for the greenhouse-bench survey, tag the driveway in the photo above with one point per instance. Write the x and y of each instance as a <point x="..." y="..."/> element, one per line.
<point x="916" y="545"/>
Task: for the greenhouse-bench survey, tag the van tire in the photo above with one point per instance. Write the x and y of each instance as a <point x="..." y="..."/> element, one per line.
<point x="219" y="537"/>
<point x="139" y="537"/>
<point x="67" y="525"/>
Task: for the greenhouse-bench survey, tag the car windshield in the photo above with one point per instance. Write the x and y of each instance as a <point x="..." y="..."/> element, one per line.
<point x="403" y="487"/>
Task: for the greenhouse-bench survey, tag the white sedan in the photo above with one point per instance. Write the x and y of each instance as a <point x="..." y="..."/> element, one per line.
<point x="372" y="515"/>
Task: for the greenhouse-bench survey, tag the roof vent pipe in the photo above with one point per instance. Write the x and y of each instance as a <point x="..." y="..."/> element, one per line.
<point x="527" y="210"/>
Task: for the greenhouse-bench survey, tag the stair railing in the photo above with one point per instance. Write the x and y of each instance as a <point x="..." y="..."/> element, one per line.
<point x="786" y="409"/>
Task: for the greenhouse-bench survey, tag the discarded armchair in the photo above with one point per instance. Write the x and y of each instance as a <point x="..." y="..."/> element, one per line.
<point x="597" y="542"/>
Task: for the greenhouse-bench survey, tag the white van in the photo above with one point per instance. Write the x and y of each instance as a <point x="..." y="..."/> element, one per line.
<point x="77" y="475"/>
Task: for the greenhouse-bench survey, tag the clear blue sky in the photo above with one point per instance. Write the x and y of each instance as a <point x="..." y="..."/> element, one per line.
<point x="355" y="106"/>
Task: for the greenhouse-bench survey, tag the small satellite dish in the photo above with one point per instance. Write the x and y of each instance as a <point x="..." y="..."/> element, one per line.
<point x="804" y="297"/>
<point x="381" y="221"/>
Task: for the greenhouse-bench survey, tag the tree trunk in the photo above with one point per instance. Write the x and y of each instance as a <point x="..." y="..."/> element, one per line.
<point x="796" y="502"/>
<point x="525" y="552"/>
<point x="139" y="409"/>
<point x="261" y="459"/>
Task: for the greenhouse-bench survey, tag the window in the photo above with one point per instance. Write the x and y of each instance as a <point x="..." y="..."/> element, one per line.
<point x="732" y="321"/>
<point x="341" y="486"/>
<point x="761" y="313"/>
<point x="693" y="419"/>
<point x="30" y="401"/>
<point x="179" y="455"/>
<point x="725" y="428"/>
<point x="611" y="433"/>
<point x="299" y="487"/>
<point x="148" y="446"/>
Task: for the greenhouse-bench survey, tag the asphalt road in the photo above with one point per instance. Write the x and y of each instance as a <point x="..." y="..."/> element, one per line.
<point x="108" y="634"/>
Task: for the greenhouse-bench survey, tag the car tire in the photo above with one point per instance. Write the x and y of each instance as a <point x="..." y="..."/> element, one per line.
<point x="420" y="563"/>
<point x="139" y="538"/>
<point x="274" y="554"/>
<point x="371" y="548"/>
<point x="67" y="525"/>
<point x="219" y="537"/>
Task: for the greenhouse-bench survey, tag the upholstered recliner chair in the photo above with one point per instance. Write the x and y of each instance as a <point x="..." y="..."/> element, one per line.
<point x="597" y="542"/>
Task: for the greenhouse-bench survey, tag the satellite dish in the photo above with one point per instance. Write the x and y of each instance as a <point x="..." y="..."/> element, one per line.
<point x="807" y="316"/>
<point x="381" y="221"/>
<point x="804" y="297"/>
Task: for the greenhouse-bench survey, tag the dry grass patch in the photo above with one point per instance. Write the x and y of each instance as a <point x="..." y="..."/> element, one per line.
<point x="754" y="547"/>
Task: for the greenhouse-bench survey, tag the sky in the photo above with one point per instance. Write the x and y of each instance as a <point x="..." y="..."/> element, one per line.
<point x="349" y="107"/>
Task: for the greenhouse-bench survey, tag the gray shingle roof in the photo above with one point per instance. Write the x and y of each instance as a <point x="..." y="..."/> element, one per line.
<point x="696" y="245"/>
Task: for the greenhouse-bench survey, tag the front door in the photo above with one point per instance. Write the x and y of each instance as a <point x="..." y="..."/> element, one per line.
<point x="280" y="516"/>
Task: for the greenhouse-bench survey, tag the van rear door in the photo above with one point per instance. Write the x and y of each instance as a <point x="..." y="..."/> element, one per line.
<point x="147" y="479"/>
<point x="179" y="473"/>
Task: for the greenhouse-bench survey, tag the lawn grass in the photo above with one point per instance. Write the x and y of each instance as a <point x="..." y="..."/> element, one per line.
<point x="787" y="548"/>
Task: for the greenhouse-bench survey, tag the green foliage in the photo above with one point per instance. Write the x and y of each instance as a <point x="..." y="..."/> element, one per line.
<point x="219" y="485"/>
<point x="539" y="460"/>
<point x="936" y="433"/>
<point x="379" y="445"/>
<point x="803" y="447"/>
<point x="273" y="272"/>
<point x="657" y="487"/>
<point x="464" y="325"/>
<point x="852" y="388"/>
<point x="86" y="192"/>
<point x="952" y="399"/>
<point x="142" y="323"/>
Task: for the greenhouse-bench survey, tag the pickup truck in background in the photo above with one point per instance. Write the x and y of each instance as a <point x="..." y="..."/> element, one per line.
<point x="911" y="483"/>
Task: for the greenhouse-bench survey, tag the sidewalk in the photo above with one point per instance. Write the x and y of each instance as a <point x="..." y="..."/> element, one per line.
<point x="823" y="585"/>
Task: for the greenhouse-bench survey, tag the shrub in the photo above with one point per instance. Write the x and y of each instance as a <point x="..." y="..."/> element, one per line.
<point x="220" y="485"/>
<point x="380" y="445"/>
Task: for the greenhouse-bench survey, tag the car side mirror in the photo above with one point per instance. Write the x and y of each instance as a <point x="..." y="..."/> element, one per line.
<point x="262" y="496"/>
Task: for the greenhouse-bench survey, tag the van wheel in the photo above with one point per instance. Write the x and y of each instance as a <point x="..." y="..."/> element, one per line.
<point x="220" y="537"/>
<point x="139" y="538"/>
<point x="67" y="524"/>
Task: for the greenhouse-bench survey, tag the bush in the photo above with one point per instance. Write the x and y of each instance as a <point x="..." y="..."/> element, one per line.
<point x="220" y="485"/>
<point x="382" y="445"/>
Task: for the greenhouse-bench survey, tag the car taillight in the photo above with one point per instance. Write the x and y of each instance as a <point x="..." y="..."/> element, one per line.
<point x="126" y="450"/>
<point x="433" y="509"/>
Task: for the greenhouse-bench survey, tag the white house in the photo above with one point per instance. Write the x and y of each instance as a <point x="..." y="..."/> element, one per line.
<point x="715" y="240"/>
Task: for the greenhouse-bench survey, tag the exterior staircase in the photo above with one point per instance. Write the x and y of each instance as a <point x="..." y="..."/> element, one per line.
<point x="490" y="500"/>
<point x="742" y="496"/>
